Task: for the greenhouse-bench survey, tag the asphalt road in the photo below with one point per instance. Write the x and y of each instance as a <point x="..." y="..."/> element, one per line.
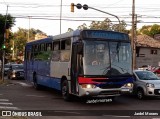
<point x="18" y="95"/>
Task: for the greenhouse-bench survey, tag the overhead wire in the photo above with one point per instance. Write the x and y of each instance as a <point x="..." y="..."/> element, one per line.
<point x="51" y="16"/>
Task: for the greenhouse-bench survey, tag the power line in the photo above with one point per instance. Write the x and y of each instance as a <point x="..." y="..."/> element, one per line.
<point x="76" y="19"/>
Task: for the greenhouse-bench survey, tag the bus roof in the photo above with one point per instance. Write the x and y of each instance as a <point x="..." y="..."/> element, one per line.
<point x="75" y="33"/>
<point x="51" y="38"/>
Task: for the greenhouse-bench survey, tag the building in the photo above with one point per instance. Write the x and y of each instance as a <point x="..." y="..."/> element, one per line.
<point x="147" y="51"/>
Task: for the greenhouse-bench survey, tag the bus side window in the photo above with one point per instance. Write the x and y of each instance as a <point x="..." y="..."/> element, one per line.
<point x="28" y="55"/>
<point x="56" y="52"/>
<point x="42" y="47"/>
<point x="52" y="46"/>
<point x="49" y="46"/>
<point x="65" y="50"/>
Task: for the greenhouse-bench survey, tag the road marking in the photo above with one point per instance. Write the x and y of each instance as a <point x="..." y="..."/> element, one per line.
<point x="10" y="84"/>
<point x="36" y="96"/>
<point x="4" y="103"/>
<point x="23" y="84"/>
<point x="123" y="116"/>
<point x="118" y="116"/>
<point x="69" y="112"/>
<point x="4" y="100"/>
<point x="6" y="107"/>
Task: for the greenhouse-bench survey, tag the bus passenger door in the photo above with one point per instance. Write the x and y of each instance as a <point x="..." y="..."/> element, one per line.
<point x="74" y="72"/>
<point x="77" y="50"/>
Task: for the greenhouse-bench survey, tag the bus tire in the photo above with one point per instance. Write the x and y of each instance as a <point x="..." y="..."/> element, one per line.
<point x="35" y="84"/>
<point x="65" y="91"/>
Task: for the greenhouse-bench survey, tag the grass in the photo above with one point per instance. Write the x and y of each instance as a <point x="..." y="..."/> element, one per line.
<point x="4" y="82"/>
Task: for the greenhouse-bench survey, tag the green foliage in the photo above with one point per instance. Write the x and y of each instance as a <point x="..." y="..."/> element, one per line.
<point x="150" y="30"/>
<point x="83" y="26"/>
<point x="105" y="25"/>
<point x="43" y="55"/>
<point x="70" y="29"/>
<point x="9" y="21"/>
<point x="22" y="36"/>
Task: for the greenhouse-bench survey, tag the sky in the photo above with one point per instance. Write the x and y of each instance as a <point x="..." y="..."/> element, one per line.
<point x="45" y="15"/>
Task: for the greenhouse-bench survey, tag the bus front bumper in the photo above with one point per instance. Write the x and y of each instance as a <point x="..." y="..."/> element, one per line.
<point x="98" y="92"/>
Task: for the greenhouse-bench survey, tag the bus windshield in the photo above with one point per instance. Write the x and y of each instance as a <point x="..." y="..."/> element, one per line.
<point x="107" y="58"/>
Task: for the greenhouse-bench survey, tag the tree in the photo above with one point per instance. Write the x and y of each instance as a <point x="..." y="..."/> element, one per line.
<point x="70" y="29"/>
<point x="120" y="27"/>
<point x="155" y="29"/>
<point x="22" y="36"/>
<point x="83" y="26"/>
<point x="145" y="30"/>
<point x="6" y="22"/>
<point x="105" y="25"/>
<point x="9" y="20"/>
<point x="150" y="30"/>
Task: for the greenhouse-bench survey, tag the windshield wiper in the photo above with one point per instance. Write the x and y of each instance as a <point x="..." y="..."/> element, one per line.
<point x="106" y="70"/>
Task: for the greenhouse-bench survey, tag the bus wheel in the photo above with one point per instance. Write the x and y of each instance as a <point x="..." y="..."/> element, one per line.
<point x="65" y="91"/>
<point x="36" y="86"/>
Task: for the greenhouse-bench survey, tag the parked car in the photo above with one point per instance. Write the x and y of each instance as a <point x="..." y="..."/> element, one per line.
<point x="6" y="68"/>
<point x="16" y="71"/>
<point x="146" y="84"/>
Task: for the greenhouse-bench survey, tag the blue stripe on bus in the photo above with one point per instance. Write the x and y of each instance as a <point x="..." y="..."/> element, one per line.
<point x="51" y="82"/>
<point x="128" y="80"/>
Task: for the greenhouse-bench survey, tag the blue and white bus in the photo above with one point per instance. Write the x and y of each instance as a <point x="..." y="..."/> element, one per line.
<point x="81" y="63"/>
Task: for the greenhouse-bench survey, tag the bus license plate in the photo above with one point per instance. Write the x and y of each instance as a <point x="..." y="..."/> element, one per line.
<point x="125" y="89"/>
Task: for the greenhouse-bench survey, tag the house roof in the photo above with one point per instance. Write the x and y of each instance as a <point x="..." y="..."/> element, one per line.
<point x="147" y="41"/>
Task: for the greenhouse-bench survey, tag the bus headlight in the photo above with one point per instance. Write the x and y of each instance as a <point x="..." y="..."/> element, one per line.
<point x="88" y="86"/>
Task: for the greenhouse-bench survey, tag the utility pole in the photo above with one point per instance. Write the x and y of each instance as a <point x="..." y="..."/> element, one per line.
<point x="13" y="50"/>
<point x="61" y="17"/>
<point x="4" y="40"/>
<point x="28" y="28"/>
<point x="133" y="37"/>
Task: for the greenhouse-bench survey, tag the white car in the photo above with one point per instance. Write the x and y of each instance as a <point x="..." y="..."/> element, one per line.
<point x="146" y="84"/>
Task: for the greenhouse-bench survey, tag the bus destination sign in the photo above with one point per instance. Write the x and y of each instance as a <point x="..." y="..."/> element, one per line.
<point x="104" y="34"/>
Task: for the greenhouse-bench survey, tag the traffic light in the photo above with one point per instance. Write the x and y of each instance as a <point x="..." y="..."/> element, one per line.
<point x="3" y="46"/>
<point x="72" y="7"/>
<point x="85" y="7"/>
<point x="79" y="6"/>
<point x="135" y="26"/>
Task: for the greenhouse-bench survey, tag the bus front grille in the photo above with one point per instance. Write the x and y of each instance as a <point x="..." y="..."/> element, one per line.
<point x="109" y="86"/>
<point x="109" y="93"/>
